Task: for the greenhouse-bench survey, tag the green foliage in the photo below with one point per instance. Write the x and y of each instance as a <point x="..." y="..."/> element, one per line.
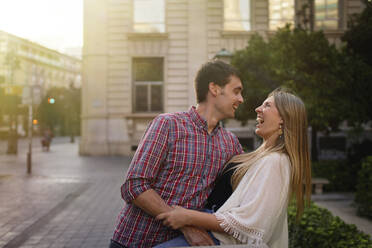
<point x="340" y="173"/>
<point x="343" y="174"/>
<point x="319" y="228"/>
<point x="302" y="61"/>
<point x="358" y="151"/>
<point x="255" y="66"/>
<point x="363" y="196"/>
<point x="358" y="65"/>
<point x="356" y="89"/>
<point x="358" y="37"/>
<point x="334" y="85"/>
<point x="2" y="79"/>
<point x="64" y="114"/>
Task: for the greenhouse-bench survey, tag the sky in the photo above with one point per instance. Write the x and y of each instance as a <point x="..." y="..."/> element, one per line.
<point x="56" y="24"/>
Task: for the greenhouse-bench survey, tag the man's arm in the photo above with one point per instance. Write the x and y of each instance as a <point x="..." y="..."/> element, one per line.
<point x="148" y="159"/>
<point x="196" y="236"/>
<point x="151" y="202"/>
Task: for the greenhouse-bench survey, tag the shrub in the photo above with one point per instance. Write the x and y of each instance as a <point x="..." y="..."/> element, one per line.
<point x="339" y="173"/>
<point x="358" y="151"/>
<point x="343" y="174"/>
<point x="319" y="228"/>
<point x="363" y="196"/>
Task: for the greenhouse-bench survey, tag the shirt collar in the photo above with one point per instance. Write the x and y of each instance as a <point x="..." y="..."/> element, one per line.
<point x="200" y="121"/>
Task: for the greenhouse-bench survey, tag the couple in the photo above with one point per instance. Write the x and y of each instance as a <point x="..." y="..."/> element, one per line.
<point x="170" y="188"/>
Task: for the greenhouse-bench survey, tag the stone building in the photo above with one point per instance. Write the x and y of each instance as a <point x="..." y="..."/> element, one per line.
<point x="23" y="62"/>
<point x="140" y="57"/>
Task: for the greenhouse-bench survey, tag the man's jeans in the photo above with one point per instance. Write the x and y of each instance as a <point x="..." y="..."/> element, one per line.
<point x="180" y="241"/>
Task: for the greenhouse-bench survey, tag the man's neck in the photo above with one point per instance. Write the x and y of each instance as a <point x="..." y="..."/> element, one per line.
<point x="209" y="114"/>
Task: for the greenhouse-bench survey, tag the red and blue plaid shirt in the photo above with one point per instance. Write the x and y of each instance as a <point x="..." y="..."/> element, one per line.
<point x="180" y="160"/>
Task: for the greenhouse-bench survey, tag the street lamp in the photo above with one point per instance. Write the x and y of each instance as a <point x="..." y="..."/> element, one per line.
<point x="224" y="55"/>
<point x="31" y="95"/>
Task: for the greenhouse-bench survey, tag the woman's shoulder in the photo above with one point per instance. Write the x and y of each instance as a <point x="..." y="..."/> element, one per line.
<point x="275" y="159"/>
<point x="277" y="156"/>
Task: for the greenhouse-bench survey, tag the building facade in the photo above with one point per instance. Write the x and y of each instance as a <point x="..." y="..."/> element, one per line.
<point x="27" y="64"/>
<point x="23" y="63"/>
<point x="140" y="57"/>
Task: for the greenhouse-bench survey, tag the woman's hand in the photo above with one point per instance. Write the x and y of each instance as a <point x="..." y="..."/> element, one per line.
<point x="176" y="218"/>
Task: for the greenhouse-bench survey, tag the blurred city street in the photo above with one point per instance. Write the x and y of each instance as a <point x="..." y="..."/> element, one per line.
<point x="68" y="201"/>
<point x="72" y="201"/>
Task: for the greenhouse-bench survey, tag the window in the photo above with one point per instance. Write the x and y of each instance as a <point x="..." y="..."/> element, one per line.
<point x="149" y="16"/>
<point x="326" y="14"/>
<point x="237" y="15"/>
<point x="148" y="84"/>
<point x="281" y="12"/>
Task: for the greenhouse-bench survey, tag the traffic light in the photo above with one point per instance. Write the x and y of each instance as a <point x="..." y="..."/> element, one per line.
<point x="34" y="122"/>
<point x="51" y="100"/>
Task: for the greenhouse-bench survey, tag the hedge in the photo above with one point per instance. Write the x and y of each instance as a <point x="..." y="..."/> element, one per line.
<point x="319" y="228"/>
<point x="341" y="174"/>
<point x="363" y="196"/>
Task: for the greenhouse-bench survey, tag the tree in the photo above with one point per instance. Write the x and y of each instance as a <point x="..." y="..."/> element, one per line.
<point x="299" y="60"/>
<point x="358" y="37"/>
<point x="255" y="66"/>
<point x="12" y="62"/>
<point x="62" y="113"/>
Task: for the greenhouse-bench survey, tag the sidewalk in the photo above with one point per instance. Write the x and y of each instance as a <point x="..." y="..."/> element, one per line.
<point x="69" y="201"/>
<point x="342" y="205"/>
<point x="72" y="201"/>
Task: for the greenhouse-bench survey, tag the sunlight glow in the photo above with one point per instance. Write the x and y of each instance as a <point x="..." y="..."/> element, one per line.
<point x="53" y="23"/>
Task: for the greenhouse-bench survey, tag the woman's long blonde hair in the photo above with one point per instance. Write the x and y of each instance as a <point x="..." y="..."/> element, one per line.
<point x="294" y="143"/>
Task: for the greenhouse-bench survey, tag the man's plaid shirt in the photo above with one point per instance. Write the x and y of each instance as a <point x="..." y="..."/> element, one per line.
<point x="180" y="161"/>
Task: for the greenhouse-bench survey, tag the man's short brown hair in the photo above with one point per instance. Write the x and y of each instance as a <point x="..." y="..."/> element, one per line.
<point x="217" y="72"/>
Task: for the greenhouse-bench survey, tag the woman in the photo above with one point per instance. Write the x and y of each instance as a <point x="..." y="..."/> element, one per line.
<point x="262" y="181"/>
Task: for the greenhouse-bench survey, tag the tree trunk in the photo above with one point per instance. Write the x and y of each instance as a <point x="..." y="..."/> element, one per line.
<point x="314" y="144"/>
<point x="13" y="139"/>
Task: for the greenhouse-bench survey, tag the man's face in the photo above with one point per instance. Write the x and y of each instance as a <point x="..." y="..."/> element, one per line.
<point x="229" y="98"/>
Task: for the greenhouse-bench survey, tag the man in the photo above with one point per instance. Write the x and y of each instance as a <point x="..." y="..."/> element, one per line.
<point x="178" y="160"/>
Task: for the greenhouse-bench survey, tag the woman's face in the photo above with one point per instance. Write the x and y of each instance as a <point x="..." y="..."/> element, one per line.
<point x="268" y="119"/>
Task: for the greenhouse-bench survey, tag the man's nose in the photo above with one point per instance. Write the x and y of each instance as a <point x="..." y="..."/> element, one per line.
<point x="241" y="99"/>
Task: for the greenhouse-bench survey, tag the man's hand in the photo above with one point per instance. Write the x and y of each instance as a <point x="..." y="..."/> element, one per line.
<point x="196" y="237"/>
<point x="176" y="218"/>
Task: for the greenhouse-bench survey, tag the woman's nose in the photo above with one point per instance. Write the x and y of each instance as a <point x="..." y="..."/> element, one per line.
<point x="258" y="109"/>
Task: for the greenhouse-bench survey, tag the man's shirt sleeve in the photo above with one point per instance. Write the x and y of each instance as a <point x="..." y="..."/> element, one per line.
<point x="148" y="159"/>
<point x="238" y="149"/>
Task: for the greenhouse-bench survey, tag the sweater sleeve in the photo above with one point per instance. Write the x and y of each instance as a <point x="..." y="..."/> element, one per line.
<point x="258" y="201"/>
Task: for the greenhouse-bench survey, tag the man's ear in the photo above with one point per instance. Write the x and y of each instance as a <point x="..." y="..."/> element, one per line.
<point x="214" y="88"/>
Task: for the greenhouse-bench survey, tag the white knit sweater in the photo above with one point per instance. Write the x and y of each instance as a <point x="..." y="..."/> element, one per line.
<point x="256" y="212"/>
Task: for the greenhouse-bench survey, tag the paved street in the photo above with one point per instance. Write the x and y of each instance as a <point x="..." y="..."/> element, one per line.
<point x="68" y="201"/>
<point x="72" y="201"/>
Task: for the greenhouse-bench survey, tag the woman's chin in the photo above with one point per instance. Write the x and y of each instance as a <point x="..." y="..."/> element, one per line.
<point x="257" y="131"/>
